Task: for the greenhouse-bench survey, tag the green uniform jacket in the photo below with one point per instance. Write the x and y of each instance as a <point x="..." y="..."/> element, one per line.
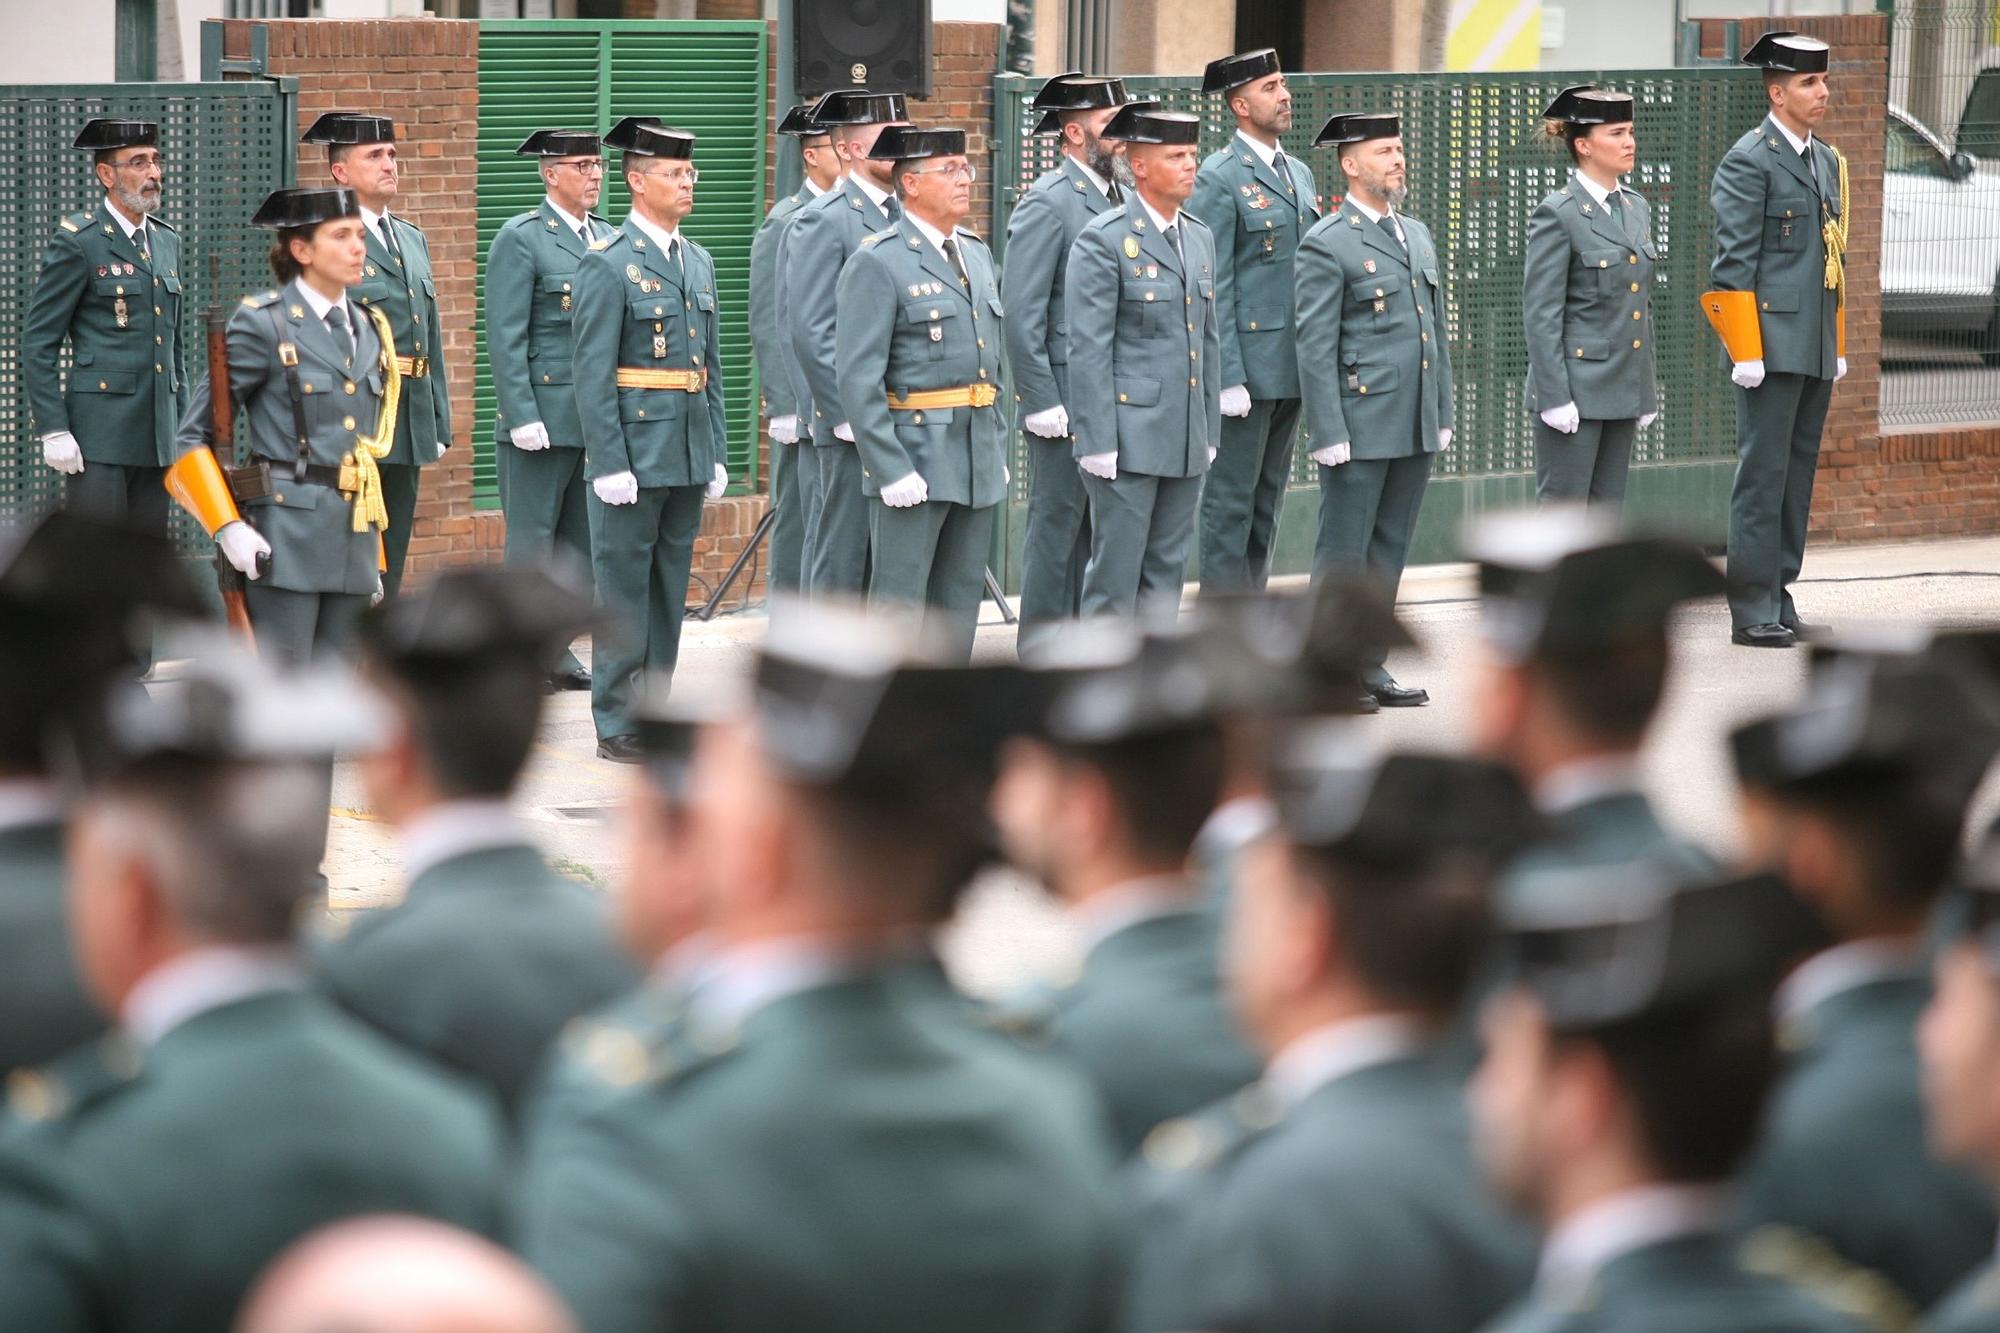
<point x="634" y="308"/>
<point x="1148" y="1023"/>
<point x="530" y="273"/>
<point x="128" y="383"/>
<point x="482" y="964"/>
<point x="1258" y="217"/>
<point x="1359" y="1209"/>
<point x="40" y="992"/>
<point x="1768" y="202"/>
<point x="847" y="1161"/>
<point x="905" y="326"/>
<point x="314" y="547"/>
<point x="1973" y="1308"/>
<point x="817" y="244"/>
<point x="1844" y="1169"/>
<point x="770" y="338"/>
<point x="404" y="289"/>
<point x="1137" y="319"/>
<point x="172" y="1177"/>
<point x="1371" y="337"/>
<point x="1586" y="305"/>
<point x="1677" y="1286"/>
<point x="1611" y="830"/>
<point x="1040" y="231"/>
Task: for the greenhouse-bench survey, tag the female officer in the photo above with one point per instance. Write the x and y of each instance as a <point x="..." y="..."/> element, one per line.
<point x="1585" y="308"/>
<point x="318" y="412"/>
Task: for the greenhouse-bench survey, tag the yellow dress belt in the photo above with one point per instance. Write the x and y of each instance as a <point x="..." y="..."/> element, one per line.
<point x="642" y="377"/>
<point x="935" y="400"/>
<point x="413" y="367"/>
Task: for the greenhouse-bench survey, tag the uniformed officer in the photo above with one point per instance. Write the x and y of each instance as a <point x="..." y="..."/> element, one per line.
<point x="648" y="374"/>
<point x="314" y="370"/>
<point x="1857" y="797"/>
<point x="1102" y="806"/>
<point x="770" y="336"/>
<point x="396" y="279"/>
<point x="1352" y="941"/>
<point x="917" y="357"/>
<point x="110" y="284"/>
<point x="821" y="238"/>
<point x="1628" y="1059"/>
<point x="491" y="952"/>
<point x="1586" y="291"/>
<point x="193" y="860"/>
<point x="1092" y="178"/>
<point x="1377" y="377"/>
<point x="808" y="1079"/>
<point x="69" y="588"/>
<point x="1574" y="662"/>
<point x="1140" y="294"/>
<point x="1259" y="203"/>
<point x="1780" y="206"/>
<point x="530" y="281"/>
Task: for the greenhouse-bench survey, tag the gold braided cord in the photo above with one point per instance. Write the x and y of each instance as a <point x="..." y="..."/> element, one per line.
<point x="1833" y="231"/>
<point x="369" y="508"/>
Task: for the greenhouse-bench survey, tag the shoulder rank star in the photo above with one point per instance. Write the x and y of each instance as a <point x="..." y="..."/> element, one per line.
<point x="1586" y="210"/>
<point x="1131" y="247"/>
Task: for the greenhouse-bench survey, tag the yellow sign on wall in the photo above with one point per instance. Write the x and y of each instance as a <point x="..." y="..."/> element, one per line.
<point x="1494" y="35"/>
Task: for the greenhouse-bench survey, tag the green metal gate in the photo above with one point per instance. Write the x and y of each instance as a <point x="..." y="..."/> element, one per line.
<point x="707" y="77"/>
<point x="1478" y="168"/>
<point x="226" y="146"/>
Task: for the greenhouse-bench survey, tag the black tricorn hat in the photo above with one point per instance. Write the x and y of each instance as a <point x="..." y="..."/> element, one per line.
<point x="350" y="127"/>
<point x="104" y="134"/>
<point x="800" y="123"/>
<point x="1235" y="71"/>
<point x="561" y="143"/>
<point x="1787" y="52"/>
<point x="1336" y="792"/>
<point x="1076" y="92"/>
<point x="306" y="207"/>
<point x="858" y="106"/>
<point x="1358" y="128"/>
<point x="902" y="143"/>
<point x="469" y="617"/>
<point x="1587" y="104"/>
<point x="657" y="140"/>
<point x="619" y="136"/>
<point x="1144" y="122"/>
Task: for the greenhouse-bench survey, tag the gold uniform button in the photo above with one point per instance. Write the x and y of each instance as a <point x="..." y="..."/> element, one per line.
<point x="1423" y="337"/>
<point x="1187" y="300"/>
<point x="158" y="339"/>
<point x="659" y="328"/>
<point x="1191" y="383"/>
<point x="1637" y="343"/>
<point x="1420" y="310"/>
<point x="158" y="311"/>
<point x="347" y="423"/>
<point x="102" y="385"/>
<point x="1631" y="259"/>
<point x="348" y="387"/>
<point x="1253" y="326"/>
<point x="982" y="344"/>
<point x="691" y="333"/>
<point x="159" y="369"/>
<point x="1767" y="305"/>
<point x="1190" y="328"/>
<point x="1149" y="296"/>
<point x="1635" y="286"/>
<point x="545" y="379"/>
<point x="1604" y="263"/>
<point x="918" y="419"/>
<point x="308" y="388"/>
<point x="1579" y="351"/>
<point x="1378" y="291"/>
<point x="982" y="373"/>
<point x="1194" y="356"/>
<point x="934" y="314"/>
<point x="1427" y="365"/>
<point x="1121" y="397"/>
<point x="1637" y="315"/>
<point x="1364" y="388"/>
<point x="642" y="411"/>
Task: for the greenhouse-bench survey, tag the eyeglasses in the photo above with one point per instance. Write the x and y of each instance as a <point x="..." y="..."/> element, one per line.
<point x="589" y="167"/>
<point x="674" y="175"/>
<point x="965" y="169"/>
<point x="144" y="162"/>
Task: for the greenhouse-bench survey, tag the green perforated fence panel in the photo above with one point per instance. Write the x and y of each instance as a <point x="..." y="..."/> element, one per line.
<point x="226" y="146"/>
<point x="707" y="77"/>
<point x="1478" y="166"/>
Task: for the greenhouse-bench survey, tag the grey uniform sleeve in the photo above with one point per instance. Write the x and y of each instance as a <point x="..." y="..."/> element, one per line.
<point x="1544" y="297"/>
<point x="1035" y="255"/>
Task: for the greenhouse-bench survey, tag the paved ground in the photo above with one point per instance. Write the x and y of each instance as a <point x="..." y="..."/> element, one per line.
<point x="1008" y="933"/>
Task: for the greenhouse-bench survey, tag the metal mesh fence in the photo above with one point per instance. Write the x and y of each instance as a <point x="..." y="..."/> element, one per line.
<point x="1941" y="216"/>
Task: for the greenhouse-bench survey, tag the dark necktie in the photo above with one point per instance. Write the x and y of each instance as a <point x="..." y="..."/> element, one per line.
<point x="1113" y="193"/>
<point x="583" y="233"/>
<point x="388" y="234"/>
<point x="957" y="264"/>
<point x="141" y="239"/>
<point x="1284" y="170"/>
<point x="1173" y="235"/>
<point x="892" y="207"/>
<point x="1395" y="233"/>
<point x="336" y="324"/>
<point x="674" y="257"/>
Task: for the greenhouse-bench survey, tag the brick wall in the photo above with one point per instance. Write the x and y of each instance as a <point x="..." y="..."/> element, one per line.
<point x="1874" y="485"/>
<point x="963" y="58"/>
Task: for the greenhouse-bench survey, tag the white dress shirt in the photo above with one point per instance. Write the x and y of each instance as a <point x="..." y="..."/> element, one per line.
<point x="576" y="224"/>
<point x="1581" y="781"/>
<point x="1309" y="1063"/>
<point x="320" y="305"/>
<point x="1846" y="967"/>
<point x="190" y="985"/>
<point x="728" y="986"/>
<point x="1798" y="144"/>
<point x="1593" y="189"/>
<point x="660" y="236"/>
<point x="456" y="828"/>
<point x="878" y="195"/>
<point x="929" y="233"/>
<point x="1373" y="216"/>
<point x="1123" y="906"/>
<point x="1581" y="1246"/>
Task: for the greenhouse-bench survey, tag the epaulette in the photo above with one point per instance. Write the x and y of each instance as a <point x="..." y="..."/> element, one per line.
<point x="258" y="300"/>
<point x="1808" y="1262"/>
<point x="153" y="220"/>
<point x="75" y="222"/>
<point x="873" y="239"/>
<point x="407" y="223"/>
<point x="969" y="235"/>
<point x="655" y="1043"/>
<point x="1196" y="1142"/>
<point x="1190" y="217"/>
<point x="74" y="1080"/>
<point x="602" y="243"/>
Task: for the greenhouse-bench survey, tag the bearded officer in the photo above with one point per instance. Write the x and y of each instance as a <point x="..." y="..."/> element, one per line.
<point x="649" y="395"/>
<point x="1378" y="375"/>
<point x="1040" y="231"/>
<point x="1260" y="204"/>
<point x="530" y="282"/>
<point x="396" y="279"/>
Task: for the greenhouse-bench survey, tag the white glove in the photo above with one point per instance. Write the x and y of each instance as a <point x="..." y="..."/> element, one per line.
<point x="1333" y="455"/>
<point x="1648" y="419"/>
<point x="1104" y="466"/>
<point x="1006" y="475"/>
<point x="1212" y="452"/>
<point x="1236" y="401"/>
<point x="375" y="598"/>
<point x="530" y="437"/>
<point x="715" y="488"/>
<point x="61" y="452"/>
<point x="1564" y="419"/>
<point x="844" y="432"/>
<point x="442" y="446"/>
<point x="1444" y="437"/>
<point x="1747" y="374"/>
<point x="907" y="493"/>
<point x="620" y="488"/>
<point x="1839" y="369"/>
<point x="241" y="545"/>
<point x="785" y="430"/>
<point x="1051" y="423"/>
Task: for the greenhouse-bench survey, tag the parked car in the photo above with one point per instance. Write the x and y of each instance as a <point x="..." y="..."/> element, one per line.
<point x="1940" y="239"/>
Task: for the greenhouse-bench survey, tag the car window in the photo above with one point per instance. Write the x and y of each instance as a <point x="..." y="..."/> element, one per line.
<point x="1909" y="153"/>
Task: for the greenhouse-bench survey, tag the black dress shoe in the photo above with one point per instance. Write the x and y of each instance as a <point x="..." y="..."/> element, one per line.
<point x="1391" y="695"/>
<point x="1805" y="631"/>
<point x="1366" y="704"/>
<point x="1762" y="636"/>
<point x="621" y="750"/>
<point x="578" y="679"/>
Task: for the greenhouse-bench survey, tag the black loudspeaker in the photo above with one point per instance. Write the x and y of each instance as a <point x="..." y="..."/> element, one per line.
<point x="881" y="45"/>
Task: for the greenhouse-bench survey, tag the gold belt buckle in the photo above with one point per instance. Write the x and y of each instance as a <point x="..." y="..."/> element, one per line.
<point x="350" y="475"/>
<point x="985" y="395"/>
<point x="420" y="367"/>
